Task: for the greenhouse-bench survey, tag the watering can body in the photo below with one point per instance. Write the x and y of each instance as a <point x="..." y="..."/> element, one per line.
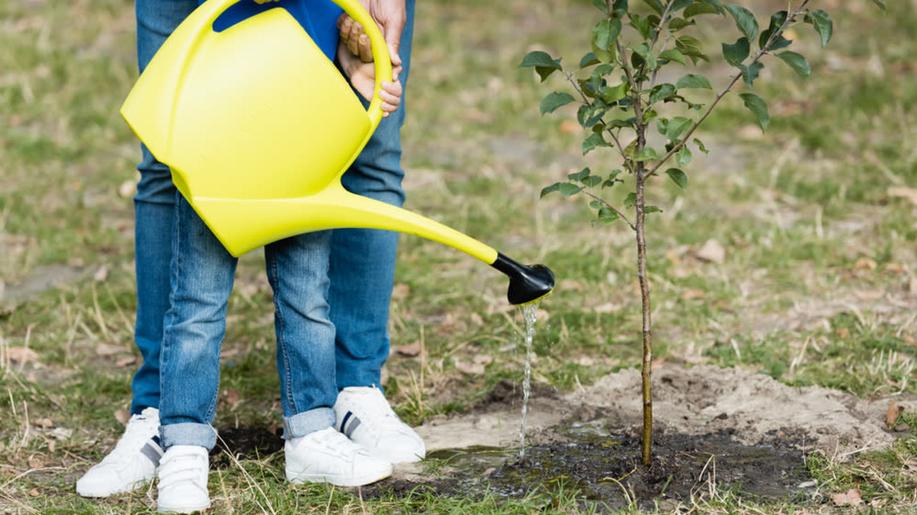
<point x="258" y="126"/>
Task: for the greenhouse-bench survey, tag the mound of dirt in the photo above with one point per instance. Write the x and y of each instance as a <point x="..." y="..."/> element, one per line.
<point x="751" y="407"/>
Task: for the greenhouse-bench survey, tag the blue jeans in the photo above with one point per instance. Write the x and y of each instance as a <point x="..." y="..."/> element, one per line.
<point x="363" y="261"/>
<point x="201" y="281"/>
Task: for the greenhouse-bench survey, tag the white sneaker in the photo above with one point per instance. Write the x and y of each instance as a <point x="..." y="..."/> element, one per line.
<point x="183" y="480"/>
<point x="132" y="462"/>
<point x="327" y="456"/>
<point x="365" y="417"/>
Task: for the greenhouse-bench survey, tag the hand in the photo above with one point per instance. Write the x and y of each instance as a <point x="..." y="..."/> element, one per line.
<point x="363" y="78"/>
<point x="391" y="15"/>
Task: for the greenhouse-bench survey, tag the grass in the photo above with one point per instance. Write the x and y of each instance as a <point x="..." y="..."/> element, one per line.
<point x="817" y="286"/>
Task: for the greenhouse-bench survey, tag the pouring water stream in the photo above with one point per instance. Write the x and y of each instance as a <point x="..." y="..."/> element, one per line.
<point x="529" y="312"/>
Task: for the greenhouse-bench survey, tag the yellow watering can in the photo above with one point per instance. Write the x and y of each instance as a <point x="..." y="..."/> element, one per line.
<point x="258" y="126"/>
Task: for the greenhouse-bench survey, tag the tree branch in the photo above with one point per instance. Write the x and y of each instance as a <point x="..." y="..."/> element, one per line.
<point x="609" y="206"/>
<point x="764" y="50"/>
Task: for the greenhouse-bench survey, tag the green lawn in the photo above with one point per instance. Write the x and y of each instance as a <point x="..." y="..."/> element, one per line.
<point x="818" y="285"/>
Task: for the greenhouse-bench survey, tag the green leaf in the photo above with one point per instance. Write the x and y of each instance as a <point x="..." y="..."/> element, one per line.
<point x="580" y="175"/>
<point x="678" y="176"/>
<point x="651" y="209"/>
<point x="703" y="7"/>
<point x="751" y="72"/>
<point x="592" y="181"/>
<point x="758" y="107"/>
<point x="655" y="5"/>
<point x="797" y="62"/>
<point x="683" y="156"/>
<point x="612" y="94"/>
<point x="693" y="81"/>
<point x="777" y="21"/>
<point x="619" y="8"/>
<point x="543" y="63"/>
<point x="594" y="141"/>
<point x="550" y="189"/>
<point x="630" y="200"/>
<point x="647" y="154"/>
<point x="646" y="54"/>
<point x="568" y="189"/>
<point x="661" y="92"/>
<point x="737" y="52"/>
<point x="879" y="3"/>
<point x="679" y="23"/>
<point x="607" y="215"/>
<point x="606" y="32"/>
<point x="700" y="146"/>
<point x="745" y="20"/>
<point x="673" y="54"/>
<point x="822" y="23"/>
<point x="601" y="5"/>
<point x="588" y="60"/>
<point x="539" y="58"/>
<point x="554" y="100"/>
<point x="677" y="5"/>
<point x="690" y="46"/>
<point x="677" y="126"/>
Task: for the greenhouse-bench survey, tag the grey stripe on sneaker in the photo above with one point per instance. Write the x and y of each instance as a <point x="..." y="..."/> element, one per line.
<point x="152" y="451"/>
<point x="353" y="426"/>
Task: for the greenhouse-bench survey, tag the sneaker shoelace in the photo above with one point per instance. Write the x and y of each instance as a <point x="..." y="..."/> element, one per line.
<point x="338" y="444"/>
<point x="380" y="413"/>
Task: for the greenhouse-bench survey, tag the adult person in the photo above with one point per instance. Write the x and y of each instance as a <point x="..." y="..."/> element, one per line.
<point x="361" y="272"/>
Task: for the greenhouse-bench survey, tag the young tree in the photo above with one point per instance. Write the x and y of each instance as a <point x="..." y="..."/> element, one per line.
<point x="621" y="99"/>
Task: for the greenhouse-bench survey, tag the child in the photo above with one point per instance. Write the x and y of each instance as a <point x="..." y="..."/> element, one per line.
<point x="201" y="281"/>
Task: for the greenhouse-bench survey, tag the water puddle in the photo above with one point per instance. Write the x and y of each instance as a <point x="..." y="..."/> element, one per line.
<point x="530" y="313"/>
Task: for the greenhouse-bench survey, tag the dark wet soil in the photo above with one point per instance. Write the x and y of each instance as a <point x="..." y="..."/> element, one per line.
<point x="601" y="467"/>
<point x="244" y="443"/>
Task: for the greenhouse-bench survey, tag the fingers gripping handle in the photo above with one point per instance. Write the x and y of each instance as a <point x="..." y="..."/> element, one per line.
<point x="381" y="59"/>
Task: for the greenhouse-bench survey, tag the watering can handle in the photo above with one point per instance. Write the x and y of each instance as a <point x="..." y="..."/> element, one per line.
<point x="381" y="59"/>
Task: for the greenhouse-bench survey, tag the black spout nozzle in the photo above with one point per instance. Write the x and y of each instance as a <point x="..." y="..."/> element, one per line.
<point x="526" y="282"/>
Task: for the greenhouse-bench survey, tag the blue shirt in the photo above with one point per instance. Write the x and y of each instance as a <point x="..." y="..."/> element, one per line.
<point x="317" y="17"/>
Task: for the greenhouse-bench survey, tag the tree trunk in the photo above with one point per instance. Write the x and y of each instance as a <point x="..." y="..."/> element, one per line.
<point x="647" y="320"/>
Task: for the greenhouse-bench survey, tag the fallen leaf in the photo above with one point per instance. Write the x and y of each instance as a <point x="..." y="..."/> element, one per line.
<point x="61" y="433"/>
<point x="400" y="291"/>
<point x="483" y="359"/>
<point x="476" y="319"/>
<point x="127" y="189"/>
<point x="34" y="492"/>
<point x="570" y="127"/>
<point x="232" y="398"/>
<point x="410" y="350"/>
<point x="101" y="274"/>
<point x="892" y="414"/>
<point x="36" y="461"/>
<point x="44" y="423"/>
<point x="849" y="498"/>
<point x="126" y="361"/>
<point x="693" y="294"/>
<point x="712" y="252"/>
<point x="865" y="263"/>
<point x="105" y="349"/>
<point x="472" y="369"/>
<point x="123" y="416"/>
<point x="21" y="355"/>
<point x="909" y="194"/>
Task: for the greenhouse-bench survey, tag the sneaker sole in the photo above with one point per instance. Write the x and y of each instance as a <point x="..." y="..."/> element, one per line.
<point x="182" y="509"/>
<point x="128" y="489"/>
<point x="337" y="481"/>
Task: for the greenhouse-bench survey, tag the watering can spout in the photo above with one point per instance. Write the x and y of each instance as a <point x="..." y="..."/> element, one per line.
<point x="242" y="225"/>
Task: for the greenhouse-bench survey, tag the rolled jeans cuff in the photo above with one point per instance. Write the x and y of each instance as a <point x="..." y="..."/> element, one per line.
<point x="188" y="433"/>
<point x="301" y="424"/>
